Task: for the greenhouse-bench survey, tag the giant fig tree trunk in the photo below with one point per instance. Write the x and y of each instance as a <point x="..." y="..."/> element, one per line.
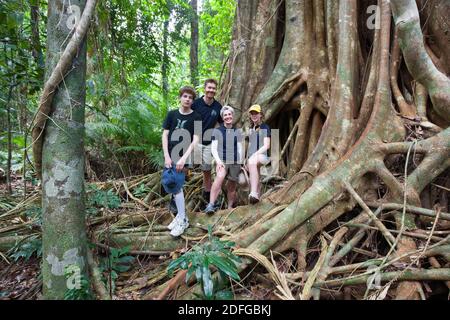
<point x="348" y="90"/>
<point x="334" y="66"/>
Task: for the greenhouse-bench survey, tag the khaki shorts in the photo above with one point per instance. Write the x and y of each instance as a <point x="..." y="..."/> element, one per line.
<point x="266" y="160"/>
<point x="203" y="157"/>
<point x="233" y="171"/>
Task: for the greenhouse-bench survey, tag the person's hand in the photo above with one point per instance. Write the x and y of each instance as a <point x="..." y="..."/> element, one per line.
<point x="180" y="164"/>
<point x="220" y="165"/>
<point x="167" y="162"/>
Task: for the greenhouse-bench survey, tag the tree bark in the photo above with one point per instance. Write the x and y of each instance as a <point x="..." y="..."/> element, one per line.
<point x="165" y="65"/>
<point x="9" y="133"/>
<point x="406" y="16"/>
<point x="194" y="44"/>
<point x="64" y="235"/>
<point x="57" y="75"/>
<point x="35" y="38"/>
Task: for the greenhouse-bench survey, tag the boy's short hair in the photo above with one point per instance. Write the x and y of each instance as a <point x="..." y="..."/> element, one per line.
<point x="226" y="108"/>
<point x="188" y="89"/>
<point x="211" y="81"/>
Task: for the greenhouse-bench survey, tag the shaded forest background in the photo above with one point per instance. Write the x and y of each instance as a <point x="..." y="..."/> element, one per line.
<point x="138" y="58"/>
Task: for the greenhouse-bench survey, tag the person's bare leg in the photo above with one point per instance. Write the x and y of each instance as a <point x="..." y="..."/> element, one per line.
<point x="231" y="193"/>
<point x="207" y="181"/>
<point x="217" y="185"/>
<point x="258" y="185"/>
<point x="254" y="175"/>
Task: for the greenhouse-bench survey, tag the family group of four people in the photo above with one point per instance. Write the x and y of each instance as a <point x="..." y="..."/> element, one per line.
<point x="201" y="130"/>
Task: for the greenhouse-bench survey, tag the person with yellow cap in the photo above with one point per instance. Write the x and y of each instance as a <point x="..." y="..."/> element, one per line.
<point x="259" y="144"/>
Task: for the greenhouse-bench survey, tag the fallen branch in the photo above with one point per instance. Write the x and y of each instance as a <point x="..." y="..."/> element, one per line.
<point x="409" y="275"/>
<point x="174" y="283"/>
<point x="135" y="252"/>
<point x="389" y="237"/>
<point x="409" y="208"/>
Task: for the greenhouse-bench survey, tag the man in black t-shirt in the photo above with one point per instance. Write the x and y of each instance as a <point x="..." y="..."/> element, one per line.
<point x="209" y="109"/>
<point x="178" y="142"/>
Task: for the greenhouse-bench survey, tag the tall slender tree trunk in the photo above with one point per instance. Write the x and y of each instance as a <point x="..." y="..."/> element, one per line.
<point x="35" y="38"/>
<point x="165" y="63"/>
<point x="8" y="122"/>
<point x="194" y="44"/>
<point x="23" y="118"/>
<point x="64" y="234"/>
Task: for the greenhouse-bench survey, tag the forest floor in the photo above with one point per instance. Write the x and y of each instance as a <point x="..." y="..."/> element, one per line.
<point x="21" y="280"/>
<point x="123" y="207"/>
<point x="20" y="276"/>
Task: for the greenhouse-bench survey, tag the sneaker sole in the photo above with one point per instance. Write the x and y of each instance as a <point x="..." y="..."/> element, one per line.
<point x="253" y="200"/>
<point x="181" y="232"/>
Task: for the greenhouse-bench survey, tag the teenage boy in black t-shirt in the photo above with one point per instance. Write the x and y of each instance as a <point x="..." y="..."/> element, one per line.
<point x="209" y="108"/>
<point x="178" y="142"/>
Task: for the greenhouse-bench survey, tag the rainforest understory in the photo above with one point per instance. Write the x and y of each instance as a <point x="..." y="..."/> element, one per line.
<point x="361" y="191"/>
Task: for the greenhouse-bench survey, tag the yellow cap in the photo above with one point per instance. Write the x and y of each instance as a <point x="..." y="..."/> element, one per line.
<point x="255" y="107"/>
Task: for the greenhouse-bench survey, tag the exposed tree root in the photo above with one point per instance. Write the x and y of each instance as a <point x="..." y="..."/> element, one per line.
<point x="96" y="277"/>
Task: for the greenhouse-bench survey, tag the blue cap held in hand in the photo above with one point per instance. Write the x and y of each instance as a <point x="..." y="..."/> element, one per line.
<point x="172" y="180"/>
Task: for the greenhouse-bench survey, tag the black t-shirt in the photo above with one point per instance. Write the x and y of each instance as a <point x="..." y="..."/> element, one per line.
<point x="210" y="116"/>
<point x="256" y="138"/>
<point x="181" y="131"/>
<point x="227" y="143"/>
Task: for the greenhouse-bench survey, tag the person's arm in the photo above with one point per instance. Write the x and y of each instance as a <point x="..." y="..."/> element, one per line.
<point x="240" y="153"/>
<point x="165" y="145"/>
<point x="215" y="153"/>
<point x="265" y="147"/>
<point x="182" y="161"/>
<point x="240" y="146"/>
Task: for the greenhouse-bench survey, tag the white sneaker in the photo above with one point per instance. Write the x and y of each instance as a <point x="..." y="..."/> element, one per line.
<point x="179" y="228"/>
<point x="253" y="198"/>
<point x="173" y="223"/>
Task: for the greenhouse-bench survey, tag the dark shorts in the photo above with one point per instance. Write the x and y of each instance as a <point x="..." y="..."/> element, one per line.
<point x="233" y="171"/>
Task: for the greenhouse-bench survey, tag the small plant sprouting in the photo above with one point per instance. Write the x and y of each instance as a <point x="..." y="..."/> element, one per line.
<point x="101" y="199"/>
<point x="141" y="191"/>
<point x="26" y="249"/>
<point x="213" y="253"/>
<point x="78" y="287"/>
<point x="117" y="262"/>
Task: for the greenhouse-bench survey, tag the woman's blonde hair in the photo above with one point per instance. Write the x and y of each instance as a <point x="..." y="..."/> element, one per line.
<point x="250" y="119"/>
<point x="226" y="108"/>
